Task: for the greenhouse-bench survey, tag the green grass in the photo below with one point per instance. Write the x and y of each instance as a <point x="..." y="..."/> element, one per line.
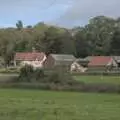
<point x="18" y="104"/>
<point x="99" y="79"/>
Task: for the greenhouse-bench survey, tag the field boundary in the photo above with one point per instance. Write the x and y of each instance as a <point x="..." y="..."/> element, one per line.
<point x="89" y="87"/>
<point x="97" y="73"/>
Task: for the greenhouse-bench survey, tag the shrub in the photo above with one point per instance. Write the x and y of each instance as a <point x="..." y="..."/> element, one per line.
<point x="61" y="76"/>
<point x="54" y="78"/>
<point x="38" y="75"/>
<point x="29" y="74"/>
<point x="26" y="73"/>
<point x="58" y="79"/>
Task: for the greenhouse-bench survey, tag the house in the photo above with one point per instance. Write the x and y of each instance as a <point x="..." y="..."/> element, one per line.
<point x="36" y="59"/>
<point x="89" y="58"/>
<point x="105" y="63"/>
<point x="117" y="59"/>
<point x="55" y="60"/>
<point x="75" y="67"/>
<point x="79" y="65"/>
<point x="82" y="61"/>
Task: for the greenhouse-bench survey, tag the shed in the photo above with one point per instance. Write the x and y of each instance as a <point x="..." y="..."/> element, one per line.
<point x="54" y="60"/>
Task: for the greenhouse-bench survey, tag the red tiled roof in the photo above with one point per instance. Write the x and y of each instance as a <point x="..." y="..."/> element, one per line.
<point x="29" y="56"/>
<point x="100" y="61"/>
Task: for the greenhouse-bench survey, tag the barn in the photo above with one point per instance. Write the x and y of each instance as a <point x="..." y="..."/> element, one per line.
<point x="56" y="60"/>
<point x="102" y="63"/>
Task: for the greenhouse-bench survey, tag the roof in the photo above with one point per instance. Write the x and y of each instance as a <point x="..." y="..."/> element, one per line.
<point x="81" y="60"/>
<point x="89" y="58"/>
<point x="100" y="61"/>
<point x="29" y="56"/>
<point x="117" y="58"/>
<point x="63" y="57"/>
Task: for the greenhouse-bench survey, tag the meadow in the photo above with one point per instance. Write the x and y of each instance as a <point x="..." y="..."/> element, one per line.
<point x="20" y="104"/>
<point x="99" y="79"/>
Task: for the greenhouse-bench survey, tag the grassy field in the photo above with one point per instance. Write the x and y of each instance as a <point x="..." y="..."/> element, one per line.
<point x="99" y="79"/>
<point x="43" y="105"/>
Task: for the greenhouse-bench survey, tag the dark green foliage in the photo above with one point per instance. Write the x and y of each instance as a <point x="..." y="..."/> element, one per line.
<point x="29" y="74"/>
<point x="81" y="44"/>
<point x="26" y="73"/>
<point x="115" y="43"/>
<point x="58" y="79"/>
<point x="6" y="46"/>
<point x="99" y="37"/>
<point x="57" y="76"/>
<point x="52" y="41"/>
<point x="68" y="43"/>
<point x="95" y="38"/>
<point x="19" y="25"/>
<point x="38" y="74"/>
<point x="60" y="76"/>
<point x="54" y="78"/>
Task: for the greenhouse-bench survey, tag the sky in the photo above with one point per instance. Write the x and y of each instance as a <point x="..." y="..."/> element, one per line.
<point x="67" y="13"/>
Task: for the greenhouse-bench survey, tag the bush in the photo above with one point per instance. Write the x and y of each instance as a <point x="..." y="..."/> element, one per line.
<point x="38" y="75"/>
<point x="57" y="76"/>
<point x="29" y="74"/>
<point x="61" y="76"/>
<point x="58" y="80"/>
<point x="26" y="73"/>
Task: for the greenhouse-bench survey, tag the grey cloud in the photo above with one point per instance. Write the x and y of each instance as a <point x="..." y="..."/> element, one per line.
<point x="83" y="10"/>
<point x="78" y="12"/>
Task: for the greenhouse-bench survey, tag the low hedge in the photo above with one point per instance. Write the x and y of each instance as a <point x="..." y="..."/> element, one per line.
<point x="58" y="80"/>
<point x="98" y="88"/>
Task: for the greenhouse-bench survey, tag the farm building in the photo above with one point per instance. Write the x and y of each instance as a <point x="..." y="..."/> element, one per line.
<point x="82" y="61"/>
<point x="79" y="65"/>
<point x="117" y="59"/>
<point x="100" y="63"/>
<point x="54" y="60"/>
<point x="35" y="59"/>
<point x="88" y="58"/>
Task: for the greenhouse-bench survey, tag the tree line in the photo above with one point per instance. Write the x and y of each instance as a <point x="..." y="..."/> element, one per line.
<point x="101" y="36"/>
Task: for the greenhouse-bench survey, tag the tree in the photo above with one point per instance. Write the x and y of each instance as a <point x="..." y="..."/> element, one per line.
<point x="98" y="34"/>
<point x="51" y="42"/>
<point x="68" y="43"/>
<point x="99" y="37"/>
<point x="115" y="43"/>
<point x="7" y="46"/>
<point x="81" y="45"/>
<point x="19" y="25"/>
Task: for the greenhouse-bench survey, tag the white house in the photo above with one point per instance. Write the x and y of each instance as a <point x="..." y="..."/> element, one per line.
<point x="35" y="59"/>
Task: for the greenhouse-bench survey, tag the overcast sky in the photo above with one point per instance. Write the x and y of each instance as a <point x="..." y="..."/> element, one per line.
<point x="67" y="13"/>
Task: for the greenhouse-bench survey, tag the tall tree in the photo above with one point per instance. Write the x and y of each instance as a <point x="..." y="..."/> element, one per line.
<point x="19" y="25"/>
<point x="81" y="44"/>
<point x="51" y="42"/>
<point x="68" y="43"/>
<point x="7" y="45"/>
<point x="115" y="43"/>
